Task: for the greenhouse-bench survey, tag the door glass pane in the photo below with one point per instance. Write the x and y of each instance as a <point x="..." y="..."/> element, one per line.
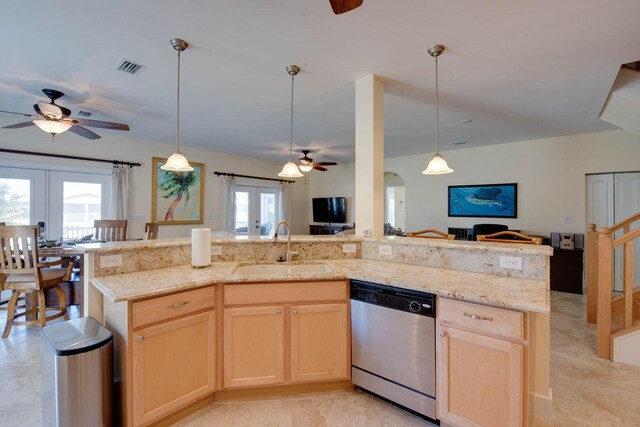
<point x="242" y="212"/>
<point x="267" y="212"/>
<point x="15" y="201"/>
<point x="82" y="204"/>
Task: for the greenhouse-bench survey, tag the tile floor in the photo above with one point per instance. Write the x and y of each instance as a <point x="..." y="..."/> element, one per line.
<point x="587" y="391"/>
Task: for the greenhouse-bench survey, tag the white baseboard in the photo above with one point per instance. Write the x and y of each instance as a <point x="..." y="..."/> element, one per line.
<point x="626" y="348"/>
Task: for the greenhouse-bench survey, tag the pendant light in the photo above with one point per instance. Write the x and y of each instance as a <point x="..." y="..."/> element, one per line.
<point x="177" y="162"/>
<point x="290" y="169"/>
<point x="438" y="165"/>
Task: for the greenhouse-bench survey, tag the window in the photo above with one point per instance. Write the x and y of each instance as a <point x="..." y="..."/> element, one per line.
<point x="256" y="209"/>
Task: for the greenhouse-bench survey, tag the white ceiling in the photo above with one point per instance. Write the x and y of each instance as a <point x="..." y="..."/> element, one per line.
<point x="519" y="70"/>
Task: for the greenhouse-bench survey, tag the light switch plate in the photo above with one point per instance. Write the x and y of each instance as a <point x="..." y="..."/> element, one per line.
<point x="385" y="250"/>
<point x="216" y="250"/>
<point x="107" y="261"/>
<point x="349" y="248"/>
<point x="511" y="262"/>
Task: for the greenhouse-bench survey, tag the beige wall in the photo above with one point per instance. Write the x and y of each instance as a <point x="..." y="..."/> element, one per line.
<point x="550" y="174"/>
<point x="115" y="146"/>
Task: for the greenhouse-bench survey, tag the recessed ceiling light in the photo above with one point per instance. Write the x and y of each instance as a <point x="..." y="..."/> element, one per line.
<point x="460" y="143"/>
<point x="466" y="121"/>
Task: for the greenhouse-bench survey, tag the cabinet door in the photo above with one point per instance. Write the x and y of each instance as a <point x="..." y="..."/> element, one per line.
<point x="480" y="380"/>
<point x="253" y="346"/>
<point x="173" y="365"/>
<point x="319" y="342"/>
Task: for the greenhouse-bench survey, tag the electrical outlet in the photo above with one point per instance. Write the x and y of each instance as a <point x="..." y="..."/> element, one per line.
<point x="385" y="250"/>
<point x="216" y="250"/>
<point x="349" y="248"/>
<point x="107" y="261"/>
<point x="511" y="262"/>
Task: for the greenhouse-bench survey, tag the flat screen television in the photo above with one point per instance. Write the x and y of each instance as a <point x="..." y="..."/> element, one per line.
<point x="329" y="209"/>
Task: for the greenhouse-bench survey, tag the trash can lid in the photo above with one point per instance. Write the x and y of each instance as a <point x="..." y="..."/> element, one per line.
<point x="76" y="336"/>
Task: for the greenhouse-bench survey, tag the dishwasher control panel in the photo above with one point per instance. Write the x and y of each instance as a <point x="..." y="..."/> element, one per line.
<point x="421" y="303"/>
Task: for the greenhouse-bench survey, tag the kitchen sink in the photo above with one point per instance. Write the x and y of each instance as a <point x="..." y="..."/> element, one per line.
<point x="281" y="268"/>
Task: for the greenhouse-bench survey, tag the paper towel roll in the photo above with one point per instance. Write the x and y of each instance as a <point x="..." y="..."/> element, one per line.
<point x="200" y="247"/>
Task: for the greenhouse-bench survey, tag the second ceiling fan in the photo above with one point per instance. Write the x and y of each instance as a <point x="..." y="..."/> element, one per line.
<point x="307" y="163"/>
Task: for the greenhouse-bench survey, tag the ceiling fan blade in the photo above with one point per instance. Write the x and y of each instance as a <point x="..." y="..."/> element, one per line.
<point x="84" y="132"/>
<point x="342" y="6"/>
<point x="20" y="114"/>
<point x="319" y="168"/>
<point x="19" y="125"/>
<point x="326" y="164"/>
<point x="97" y="123"/>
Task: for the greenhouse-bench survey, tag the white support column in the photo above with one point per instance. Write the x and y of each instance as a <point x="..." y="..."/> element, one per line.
<point x="369" y="199"/>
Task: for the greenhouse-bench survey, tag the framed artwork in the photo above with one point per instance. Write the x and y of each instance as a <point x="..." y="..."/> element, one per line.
<point x="484" y="201"/>
<point x="176" y="197"/>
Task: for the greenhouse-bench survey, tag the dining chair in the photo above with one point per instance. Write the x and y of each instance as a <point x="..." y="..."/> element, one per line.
<point x="21" y="273"/>
<point x="510" y="237"/>
<point x="110" y="230"/>
<point x="431" y="234"/>
<point x="151" y="228"/>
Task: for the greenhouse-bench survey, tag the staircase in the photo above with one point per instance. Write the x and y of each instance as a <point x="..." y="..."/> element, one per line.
<point x="616" y="314"/>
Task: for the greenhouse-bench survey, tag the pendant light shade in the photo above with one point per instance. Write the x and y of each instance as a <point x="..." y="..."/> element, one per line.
<point x="177" y="162"/>
<point x="51" y="126"/>
<point x="438" y="165"/>
<point x="290" y="169"/>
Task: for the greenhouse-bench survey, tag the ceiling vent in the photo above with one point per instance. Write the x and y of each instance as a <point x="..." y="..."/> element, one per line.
<point x="130" y="67"/>
<point x="83" y="113"/>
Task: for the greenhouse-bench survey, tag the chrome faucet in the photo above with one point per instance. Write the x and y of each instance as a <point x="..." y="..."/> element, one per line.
<point x="290" y="253"/>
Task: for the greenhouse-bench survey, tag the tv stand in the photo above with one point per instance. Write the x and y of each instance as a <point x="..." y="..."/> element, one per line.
<point x="325" y="229"/>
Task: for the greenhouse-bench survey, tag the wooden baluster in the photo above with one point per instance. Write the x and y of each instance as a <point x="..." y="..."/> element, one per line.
<point x="605" y="262"/>
<point x="592" y="274"/>
<point x="627" y="262"/>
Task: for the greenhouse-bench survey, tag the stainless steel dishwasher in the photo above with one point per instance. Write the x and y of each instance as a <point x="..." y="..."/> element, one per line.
<point x="393" y="345"/>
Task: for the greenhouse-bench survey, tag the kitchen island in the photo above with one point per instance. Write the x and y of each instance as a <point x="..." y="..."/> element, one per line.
<point x="214" y="305"/>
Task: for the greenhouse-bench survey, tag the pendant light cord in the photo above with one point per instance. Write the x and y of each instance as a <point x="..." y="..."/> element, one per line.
<point x="437" y="105"/>
<point x="291" y="129"/>
<point x="178" y="109"/>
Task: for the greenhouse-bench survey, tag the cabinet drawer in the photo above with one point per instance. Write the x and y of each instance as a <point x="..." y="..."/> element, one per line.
<point x="298" y="292"/>
<point x="481" y="318"/>
<point x="167" y="307"/>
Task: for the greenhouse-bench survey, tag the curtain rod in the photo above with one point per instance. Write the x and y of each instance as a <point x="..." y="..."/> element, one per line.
<point x="235" y="175"/>
<point x="64" y="156"/>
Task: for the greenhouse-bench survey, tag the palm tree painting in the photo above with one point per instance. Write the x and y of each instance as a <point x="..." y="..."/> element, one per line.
<point x="177" y="197"/>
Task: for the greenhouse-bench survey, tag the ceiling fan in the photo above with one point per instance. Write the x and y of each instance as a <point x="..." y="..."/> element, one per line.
<point x="342" y="6"/>
<point x="307" y="163"/>
<point x="54" y="119"/>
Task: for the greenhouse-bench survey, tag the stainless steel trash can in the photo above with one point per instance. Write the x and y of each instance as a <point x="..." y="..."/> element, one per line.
<point x="77" y="374"/>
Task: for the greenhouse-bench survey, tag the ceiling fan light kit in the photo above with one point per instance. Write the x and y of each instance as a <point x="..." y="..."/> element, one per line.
<point x="177" y="162"/>
<point x="290" y="169"/>
<point x="438" y="165"/>
<point x="52" y="127"/>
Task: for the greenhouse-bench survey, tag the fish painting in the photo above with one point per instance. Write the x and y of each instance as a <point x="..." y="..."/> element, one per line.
<point x="488" y="201"/>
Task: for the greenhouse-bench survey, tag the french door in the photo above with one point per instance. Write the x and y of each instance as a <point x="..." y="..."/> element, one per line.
<point x="256" y="210"/>
<point x="66" y="202"/>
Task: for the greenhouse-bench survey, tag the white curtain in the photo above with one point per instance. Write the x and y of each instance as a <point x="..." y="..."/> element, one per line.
<point x="229" y="204"/>
<point x="285" y="202"/>
<point x="120" y="191"/>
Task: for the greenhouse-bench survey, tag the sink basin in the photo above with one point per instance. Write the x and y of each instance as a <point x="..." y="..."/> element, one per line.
<point x="279" y="269"/>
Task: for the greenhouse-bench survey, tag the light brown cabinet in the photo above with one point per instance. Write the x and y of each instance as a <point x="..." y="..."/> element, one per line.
<point x="253" y="346"/>
<point x="319" y="342"/>
<point x="481" y="365"/>
<point x="303" y="339"/>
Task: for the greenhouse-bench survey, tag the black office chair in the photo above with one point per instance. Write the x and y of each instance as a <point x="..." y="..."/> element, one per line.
<point x="487" y="229"/>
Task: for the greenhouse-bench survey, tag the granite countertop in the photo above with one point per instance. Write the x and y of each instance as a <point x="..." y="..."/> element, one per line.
<point x="519" y="294"/>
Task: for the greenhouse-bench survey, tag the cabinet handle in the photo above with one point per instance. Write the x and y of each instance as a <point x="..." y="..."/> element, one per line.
<point x="139" y="338"/>
<point x="178" y="304"/>
<point x="295" y="311"/>
<point x="443" y="334"/>
<point x="279" y="312"/>
<point x="478" y="317"/>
